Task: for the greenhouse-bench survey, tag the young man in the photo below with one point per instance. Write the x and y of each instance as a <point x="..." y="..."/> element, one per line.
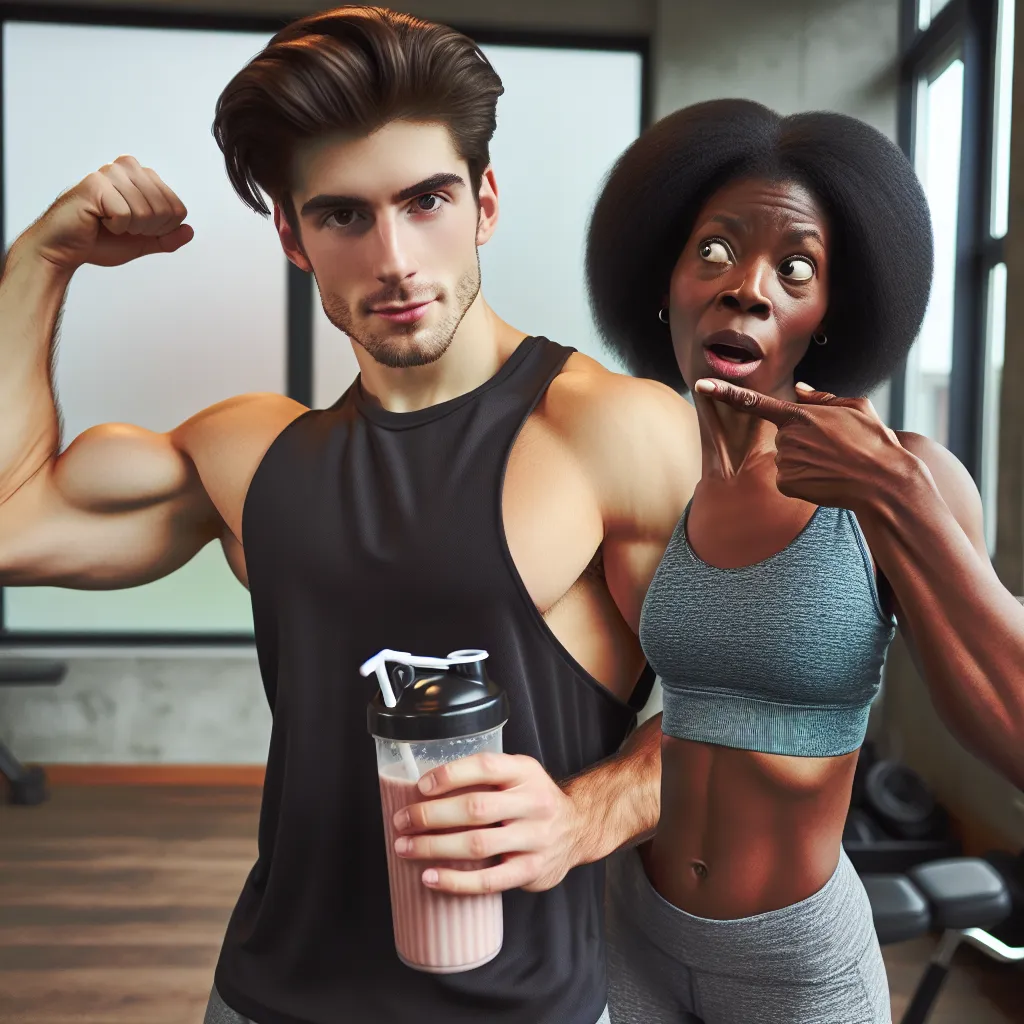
<point x="474" y="488"/>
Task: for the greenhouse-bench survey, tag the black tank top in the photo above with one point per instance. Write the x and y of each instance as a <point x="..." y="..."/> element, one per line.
<point x="365" y="529"/>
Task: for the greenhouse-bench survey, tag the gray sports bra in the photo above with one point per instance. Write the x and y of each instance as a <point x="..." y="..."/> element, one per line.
<point x="783" y="656"/>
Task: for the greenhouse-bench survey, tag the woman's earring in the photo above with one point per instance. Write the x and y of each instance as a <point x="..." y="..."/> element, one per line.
<point x="663" y="314"/>
<point x="819" y="338"/>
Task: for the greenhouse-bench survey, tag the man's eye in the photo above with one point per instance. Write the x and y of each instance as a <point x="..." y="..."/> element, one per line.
<point x="429" y="203"/>
<point x="340" y="218"/>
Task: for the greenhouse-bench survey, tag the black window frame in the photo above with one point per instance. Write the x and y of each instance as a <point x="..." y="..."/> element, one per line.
<point x="968" y="27"/>
<point x="299" y="292"/>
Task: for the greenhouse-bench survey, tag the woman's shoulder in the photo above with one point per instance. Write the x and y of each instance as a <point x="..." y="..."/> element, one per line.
<point x="954" y="483"/>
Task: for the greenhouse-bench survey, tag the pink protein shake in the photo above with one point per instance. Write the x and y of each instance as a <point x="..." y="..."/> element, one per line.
<point x="434" y="931"/>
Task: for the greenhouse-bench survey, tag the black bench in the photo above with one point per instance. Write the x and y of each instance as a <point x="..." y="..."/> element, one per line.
<point x="27" y="785"/>
<point x="959" y="896"/>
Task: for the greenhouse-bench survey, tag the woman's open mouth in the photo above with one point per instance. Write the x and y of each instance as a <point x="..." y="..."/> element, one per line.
<point x="731" y="354"/>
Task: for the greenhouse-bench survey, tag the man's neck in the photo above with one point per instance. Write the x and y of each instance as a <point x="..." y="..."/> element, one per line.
<point x="482" y="343"/>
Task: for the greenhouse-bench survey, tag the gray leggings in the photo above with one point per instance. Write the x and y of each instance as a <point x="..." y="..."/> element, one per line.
<point x="815" y="962"/>
<point x="217" y="1012"/>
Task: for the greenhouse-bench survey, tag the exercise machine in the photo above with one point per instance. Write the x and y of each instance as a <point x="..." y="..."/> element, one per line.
<point x="899" y="840"/>
<point x="27" y="785"/>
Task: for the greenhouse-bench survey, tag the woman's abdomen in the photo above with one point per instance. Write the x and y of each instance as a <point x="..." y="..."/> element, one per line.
<point x="743" y="833"/>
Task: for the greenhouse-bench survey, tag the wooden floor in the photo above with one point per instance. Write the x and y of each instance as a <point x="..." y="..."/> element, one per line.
<point x="113" y="902"/>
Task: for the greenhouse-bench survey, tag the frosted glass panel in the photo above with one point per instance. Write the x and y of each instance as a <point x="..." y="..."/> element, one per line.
<point x="1003" y="110"/>
<point x="564" y="119"/>
<point x="334" y="362"/>
<point x="154" y="341"/>
<point x="939" y="114"/>
<point x="995" y="350"/>
<point x="201" y="597"/>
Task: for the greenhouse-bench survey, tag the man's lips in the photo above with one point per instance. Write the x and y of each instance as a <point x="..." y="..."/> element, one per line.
<point x="403" y="314"/>
<point x="731" y="354"/>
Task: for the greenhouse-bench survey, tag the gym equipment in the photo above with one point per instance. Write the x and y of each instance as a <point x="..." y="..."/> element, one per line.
<point x="27" y="785"/>
<point x="1011" y="867"/>
<point x="873" y="851"/>
<point x="901" y="802"/>
<point x="962" y="896"/>
<point x="898" y="838"/>
<point x="894" y="821"/>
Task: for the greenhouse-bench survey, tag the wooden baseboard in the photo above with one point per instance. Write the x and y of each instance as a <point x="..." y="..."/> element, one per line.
<point x="154" y="774"/>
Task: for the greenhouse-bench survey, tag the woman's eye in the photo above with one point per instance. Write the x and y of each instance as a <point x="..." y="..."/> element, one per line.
<point x="796" y="269"/>
<point x="714" y="251"/>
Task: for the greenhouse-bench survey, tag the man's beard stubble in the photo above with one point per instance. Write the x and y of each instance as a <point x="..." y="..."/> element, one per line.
<point x="396" y="349"/>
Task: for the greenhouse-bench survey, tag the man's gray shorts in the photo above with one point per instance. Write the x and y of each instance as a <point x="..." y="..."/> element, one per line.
<point x="218" y="1013"/>
<point x="815" y="962"/>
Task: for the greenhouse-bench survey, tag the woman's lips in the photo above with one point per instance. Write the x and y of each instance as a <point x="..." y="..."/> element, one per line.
<point x="727" y="368"/>
<point x="406" y="314"/>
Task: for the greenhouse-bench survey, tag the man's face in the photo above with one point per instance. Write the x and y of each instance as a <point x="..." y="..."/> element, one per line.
<point x="390" y="227"/>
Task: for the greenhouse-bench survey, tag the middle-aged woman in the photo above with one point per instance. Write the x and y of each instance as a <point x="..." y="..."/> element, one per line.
<point x="739" y="254"/>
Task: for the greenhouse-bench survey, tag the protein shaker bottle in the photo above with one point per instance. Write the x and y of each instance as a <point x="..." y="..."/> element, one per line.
<point x="431" y="711"/>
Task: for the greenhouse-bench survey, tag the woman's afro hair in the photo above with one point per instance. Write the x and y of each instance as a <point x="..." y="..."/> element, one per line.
<point x="880" y="257"/>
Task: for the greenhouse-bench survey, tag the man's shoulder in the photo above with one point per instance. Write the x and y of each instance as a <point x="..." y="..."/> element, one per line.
<point x="237" y="429"/>
<point x="254" y="413"/>
<point x="587" y="401"/>
<point x="637" y="440"/>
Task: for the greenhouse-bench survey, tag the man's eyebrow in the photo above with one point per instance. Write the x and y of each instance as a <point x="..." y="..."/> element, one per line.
<point x="443" y="179"/>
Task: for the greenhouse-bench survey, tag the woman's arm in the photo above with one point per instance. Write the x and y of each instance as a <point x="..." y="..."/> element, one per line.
<point x="921" y="514"/>
<point x="964" y="629"/>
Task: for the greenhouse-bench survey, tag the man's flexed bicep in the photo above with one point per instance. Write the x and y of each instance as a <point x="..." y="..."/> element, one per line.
<point x="120" y="507"/>
<point x="124" y="506"/>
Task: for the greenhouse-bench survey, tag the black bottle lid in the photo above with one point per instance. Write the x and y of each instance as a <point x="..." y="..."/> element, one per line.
<point x="439" y="704"/>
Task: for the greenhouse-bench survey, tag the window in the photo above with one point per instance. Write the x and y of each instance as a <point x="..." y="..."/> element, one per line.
<point x="995" y="334"/>
<point x="956" y="72"/>
<point x="1003" y="107"/>
<point x="937" y="161"/>
<point x="999" y="217"/>
<point x="927" y="10"/>
<point x="154" y="341"/>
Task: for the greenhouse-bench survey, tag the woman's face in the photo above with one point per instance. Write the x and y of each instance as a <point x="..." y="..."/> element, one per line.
<point x="751" y="285"/>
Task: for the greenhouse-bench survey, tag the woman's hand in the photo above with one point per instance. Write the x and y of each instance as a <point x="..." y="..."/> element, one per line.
<point x="831" y="451"/>
<point x="922" y="517"/>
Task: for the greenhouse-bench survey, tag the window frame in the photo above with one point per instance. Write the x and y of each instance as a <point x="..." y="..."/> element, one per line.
<point x="299" y="373"/>
<point x="968" y="28"/>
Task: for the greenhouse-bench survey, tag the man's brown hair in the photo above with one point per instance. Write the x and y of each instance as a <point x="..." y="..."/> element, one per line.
<point x="351" y="69"/>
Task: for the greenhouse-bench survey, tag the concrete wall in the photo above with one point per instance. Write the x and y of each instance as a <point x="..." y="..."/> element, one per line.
<point x="196" y="707"/>
<point x="141" y="707"/>
<point x="608" y="17"/>
<point x="791" y="55"/>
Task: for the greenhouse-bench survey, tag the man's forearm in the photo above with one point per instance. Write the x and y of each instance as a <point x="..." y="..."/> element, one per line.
<point x="618" y="802"/>
<point x="32" y="293"/>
